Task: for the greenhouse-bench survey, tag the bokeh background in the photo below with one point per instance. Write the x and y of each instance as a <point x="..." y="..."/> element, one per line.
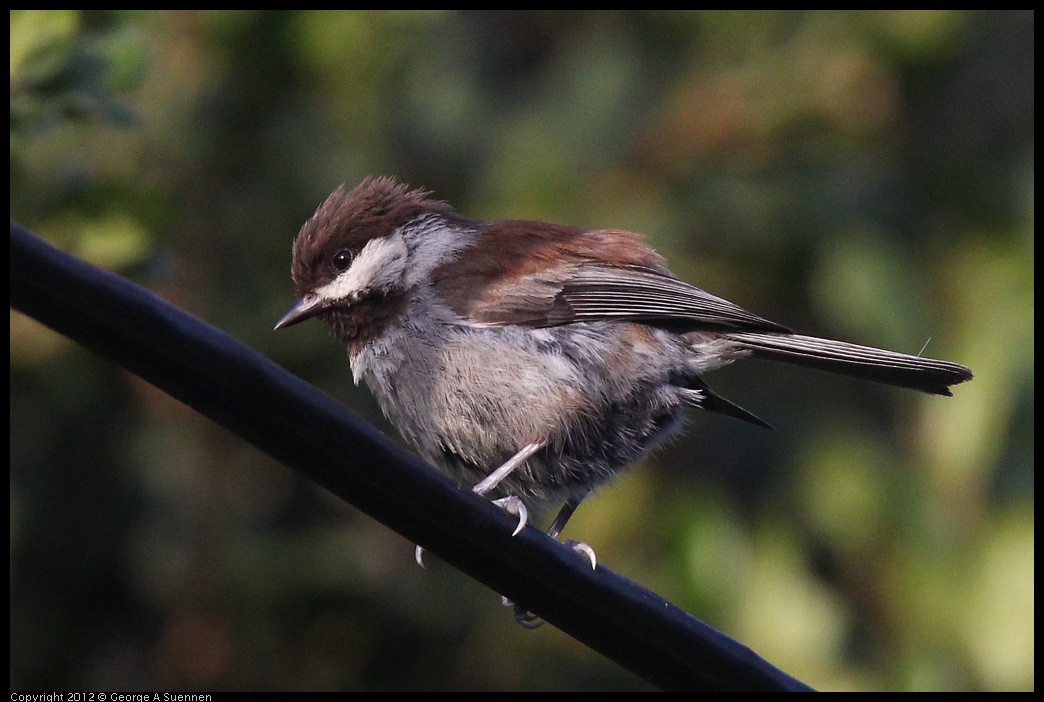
<point x="860" y="175"/>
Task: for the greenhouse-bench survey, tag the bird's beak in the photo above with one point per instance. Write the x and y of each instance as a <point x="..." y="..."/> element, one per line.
<point x="305" y="308"/>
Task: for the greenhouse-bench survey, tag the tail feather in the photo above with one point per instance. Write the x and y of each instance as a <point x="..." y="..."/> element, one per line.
<point x="889" y="367"/>
<point x="699" y="394"/>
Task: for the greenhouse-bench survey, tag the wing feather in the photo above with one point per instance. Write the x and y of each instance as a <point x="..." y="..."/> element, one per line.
<point x="548" y="275"/>
<point x="633" y="293"/>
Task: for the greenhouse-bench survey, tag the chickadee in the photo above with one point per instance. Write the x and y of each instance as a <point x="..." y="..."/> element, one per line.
<point x="534" y="361"/>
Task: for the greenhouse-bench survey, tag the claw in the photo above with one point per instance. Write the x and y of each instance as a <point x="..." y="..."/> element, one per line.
<point x="584" y="550"/>
<point x="514" y="505"/>
<point x="522" y="616"/>
<point x="527" y="619"/>
<point x="419" y="555"/>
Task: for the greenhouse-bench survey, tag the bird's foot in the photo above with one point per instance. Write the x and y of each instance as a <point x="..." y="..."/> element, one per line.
<point x="511" y="504"/>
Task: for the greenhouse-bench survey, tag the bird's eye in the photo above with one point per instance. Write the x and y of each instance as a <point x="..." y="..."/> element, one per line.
<point x="342" y="259"/>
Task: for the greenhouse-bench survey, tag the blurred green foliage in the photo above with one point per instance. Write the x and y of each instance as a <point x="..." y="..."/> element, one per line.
<point x="862" y="175"/>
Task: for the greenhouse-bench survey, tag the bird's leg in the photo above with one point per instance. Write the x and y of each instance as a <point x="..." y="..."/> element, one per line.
<point x="559" y="524"/>
<point x="522" y="615"/>
<point x="511" y="503"/>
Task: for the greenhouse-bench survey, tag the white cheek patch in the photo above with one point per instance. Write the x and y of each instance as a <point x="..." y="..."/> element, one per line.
<point x="380" y="266"/>
<point x="433" y="242"/>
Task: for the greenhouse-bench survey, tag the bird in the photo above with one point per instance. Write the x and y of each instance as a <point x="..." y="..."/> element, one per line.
<point x="534" y="361"/>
